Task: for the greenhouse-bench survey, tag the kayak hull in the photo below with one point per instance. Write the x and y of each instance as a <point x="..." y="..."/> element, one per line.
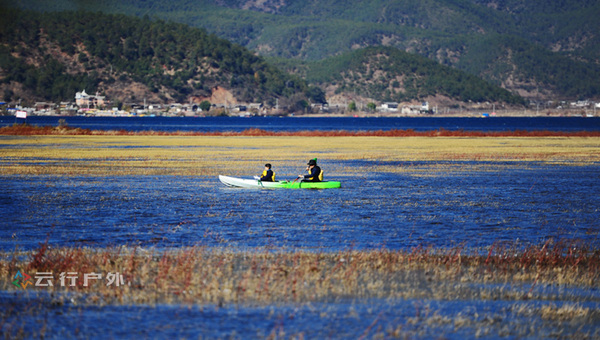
<point x="254" y="183"/>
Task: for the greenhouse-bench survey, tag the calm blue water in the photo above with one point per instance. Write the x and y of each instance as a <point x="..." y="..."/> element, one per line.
<point x="210" y="124"/>
<point x="525" y="202"/>
<point x="374" y="318"/>
<point x="516" y="202"/>
<point x="521" y="202"/>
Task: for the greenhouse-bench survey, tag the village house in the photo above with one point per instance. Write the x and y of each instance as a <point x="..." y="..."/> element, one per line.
<point x="84" y="100"/>
<point x="389" y="107"/>
<point x="44" y="108"/>
<point x="416" y="109"/>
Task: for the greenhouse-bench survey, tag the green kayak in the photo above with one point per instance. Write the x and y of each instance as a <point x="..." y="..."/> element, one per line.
<point x="254" y="183"/>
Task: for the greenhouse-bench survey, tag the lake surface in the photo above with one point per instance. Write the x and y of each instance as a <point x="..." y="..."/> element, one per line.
<point x="375" y="318"/>
<point x="519" y="202"/>
<point x="472" y="205"/>
<point x="236" y="124"/>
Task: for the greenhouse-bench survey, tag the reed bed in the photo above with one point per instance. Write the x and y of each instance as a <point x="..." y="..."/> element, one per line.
<point x="241" y="155"/>
<point x="556" y="271"/>
<point x="197" y="275"/>
<point x="29" y="130"/>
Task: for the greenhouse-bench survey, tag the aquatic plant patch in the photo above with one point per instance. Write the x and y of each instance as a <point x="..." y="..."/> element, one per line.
<point x="423" y="292"/>
<point x="452" y="236"/>
<point x="203" y="276"/>
<point x="34" y="130"/>
<point x="211" y="156"/>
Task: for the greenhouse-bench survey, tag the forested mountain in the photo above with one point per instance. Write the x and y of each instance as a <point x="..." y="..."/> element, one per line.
<point x="391" y="75"/>
<point x="52" y="56"/>
<point x="539" y="49"/>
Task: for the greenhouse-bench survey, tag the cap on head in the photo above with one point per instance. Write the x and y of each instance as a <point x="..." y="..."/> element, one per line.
<point x="312" y="162"/>
<point x="268" y="165"/>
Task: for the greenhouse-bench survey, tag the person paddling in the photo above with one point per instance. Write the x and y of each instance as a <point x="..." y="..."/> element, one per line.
<point x="315" y="174"/>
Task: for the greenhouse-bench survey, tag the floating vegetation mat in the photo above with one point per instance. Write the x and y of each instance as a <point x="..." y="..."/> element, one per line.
<point x="555" y="282"/>
<point x="34" y="130"/>
<point x="220" y="290"/>
<point x="234" y="155"/>
<point x="201" y="276"/>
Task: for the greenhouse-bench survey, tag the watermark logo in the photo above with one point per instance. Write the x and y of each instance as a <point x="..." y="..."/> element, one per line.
<point x="21" y="280"/>
<point x="68" y="279"/>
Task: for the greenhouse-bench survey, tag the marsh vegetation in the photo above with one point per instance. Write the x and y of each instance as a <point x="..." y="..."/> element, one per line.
<point x="468" y="237"/>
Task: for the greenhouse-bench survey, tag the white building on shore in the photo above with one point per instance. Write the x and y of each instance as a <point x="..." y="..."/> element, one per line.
<point x="84" y="100"/>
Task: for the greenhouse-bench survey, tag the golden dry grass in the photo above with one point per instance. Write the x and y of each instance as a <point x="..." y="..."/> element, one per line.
<point x="213" y="155"/>
<point x="200" y="276"/>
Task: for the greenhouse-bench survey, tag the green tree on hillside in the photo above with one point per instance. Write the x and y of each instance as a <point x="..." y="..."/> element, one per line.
<point x="352" y="106"/>
<point x="205" y="106"/>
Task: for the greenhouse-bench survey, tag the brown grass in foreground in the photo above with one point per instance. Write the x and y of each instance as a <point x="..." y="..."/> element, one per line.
<point x="201" y="276"/>
<point x="30" y="130"/>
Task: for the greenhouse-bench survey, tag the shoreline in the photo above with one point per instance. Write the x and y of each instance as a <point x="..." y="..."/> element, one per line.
<point x="464" y="113"/>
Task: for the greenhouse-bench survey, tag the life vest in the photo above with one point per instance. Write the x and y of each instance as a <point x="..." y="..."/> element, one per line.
<point x="320" y="176"/>
<point x="265" y="173"/>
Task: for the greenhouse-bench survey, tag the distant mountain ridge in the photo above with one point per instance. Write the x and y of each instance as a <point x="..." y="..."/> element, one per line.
<point x="52" y="56"/>
<point x="391" y="75"/>
<point x="498" y="40"/>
